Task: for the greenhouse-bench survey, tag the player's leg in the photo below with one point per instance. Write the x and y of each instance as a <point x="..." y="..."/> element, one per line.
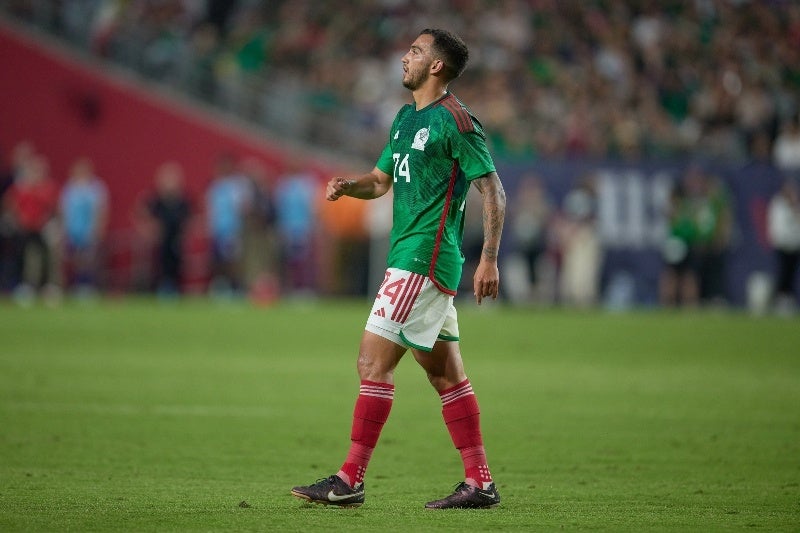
<point x="408" y="311"/>
<point x="381" y="349"/>
<point x="461" y="414"/>
<point x="378" y="357"/>
<point x="460" y="409"/>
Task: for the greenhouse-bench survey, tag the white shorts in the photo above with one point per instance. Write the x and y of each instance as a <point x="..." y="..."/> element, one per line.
<point x="410" y="311"/>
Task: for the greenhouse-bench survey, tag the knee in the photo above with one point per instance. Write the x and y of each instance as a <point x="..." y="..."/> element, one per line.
<point x="371" y="369"/>
<point x="444" y="370"/>
<point x="439" y="382"/>
<point x="444" y="382"/>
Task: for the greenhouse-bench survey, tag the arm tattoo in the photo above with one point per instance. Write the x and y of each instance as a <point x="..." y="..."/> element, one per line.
<point x="494" y="212"/>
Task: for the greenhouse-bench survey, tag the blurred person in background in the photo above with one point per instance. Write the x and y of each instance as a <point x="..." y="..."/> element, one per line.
<point x="435" y="151"/>
<point x="679" y="285"/>
<point x="32" y="202"/>
<point x="531" y="214"/>
<point x="712" y="208"/>
<point x="700" y="235"/>
<point x="84" y="214"/>
<point x="259" y="237"/>
<point x="10" y="239"/>
<point x="783" y="226"/>
<point x="295" y="200"/>
<point x="170" y="209"/>
<point x="7" y="241"/>
<point x="580" y="249"/>
<point x="226" y="201"/>
<point x="786" y="149"/>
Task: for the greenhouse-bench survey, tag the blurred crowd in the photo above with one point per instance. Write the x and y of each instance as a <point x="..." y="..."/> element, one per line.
<point x="250" y="233"/>
<point x="558" y="252"/>
<point x="549" y="78"/>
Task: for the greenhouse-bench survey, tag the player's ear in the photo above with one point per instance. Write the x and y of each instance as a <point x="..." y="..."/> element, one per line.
<point x="437" y="66"/>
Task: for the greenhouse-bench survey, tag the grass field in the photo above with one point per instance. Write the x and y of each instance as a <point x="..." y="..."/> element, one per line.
<point x="143" y="416"/>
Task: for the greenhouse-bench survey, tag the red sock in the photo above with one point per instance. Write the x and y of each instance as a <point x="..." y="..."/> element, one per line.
<point x="462" y="416"/>
<point x="370" y="414"/>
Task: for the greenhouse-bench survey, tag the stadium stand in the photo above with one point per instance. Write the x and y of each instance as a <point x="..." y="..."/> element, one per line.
<point x="676" y="77"/>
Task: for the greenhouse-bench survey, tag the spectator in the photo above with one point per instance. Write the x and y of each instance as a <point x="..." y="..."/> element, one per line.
<point x="32" y="202"/>
<point x="10" y="245"/>
<point x="259" y="239"/>
<point x="531" y="215"/>
<point x="679" y="285"/>
<point x="783" y="226"/>
<point x="295" y="198"/>
<point x="700" y="233"/>
<point x="579" y="244"/>
<point x="7" y="241"/>
<point x="714" y="224"/>
<point x="786" y="151"/>
<point x="226" y="200"/>
<point x="170" y="208"/>
<point x="84" y="213"/>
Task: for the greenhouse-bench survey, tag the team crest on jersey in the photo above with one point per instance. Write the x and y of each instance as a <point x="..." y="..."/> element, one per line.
<point x="420" y="139"/>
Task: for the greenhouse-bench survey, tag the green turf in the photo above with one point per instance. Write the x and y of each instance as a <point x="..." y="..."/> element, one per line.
<point x="141" y="416"/>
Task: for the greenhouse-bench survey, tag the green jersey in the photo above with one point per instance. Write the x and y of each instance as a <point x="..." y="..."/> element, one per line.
<point x="432" y="155"/>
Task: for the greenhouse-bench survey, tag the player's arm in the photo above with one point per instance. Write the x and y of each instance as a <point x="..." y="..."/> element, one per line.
<point x="486" y="281"/>
<point x="367" y="186"/>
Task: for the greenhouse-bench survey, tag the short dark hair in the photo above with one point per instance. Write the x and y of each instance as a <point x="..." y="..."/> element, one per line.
<point x="452" y="50"/>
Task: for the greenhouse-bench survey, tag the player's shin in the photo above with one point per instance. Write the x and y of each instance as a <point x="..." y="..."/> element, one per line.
<point x="371" y="411"/>
<point x="462" y="417"/>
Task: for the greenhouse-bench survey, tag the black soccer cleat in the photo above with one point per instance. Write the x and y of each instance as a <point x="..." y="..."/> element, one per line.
<point x="468" y="497"/>
<point x="331" y="491"/>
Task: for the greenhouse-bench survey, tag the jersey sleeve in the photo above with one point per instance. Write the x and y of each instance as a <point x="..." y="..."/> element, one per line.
<point x="470" y="150"/>
<point x="385" y="161"/>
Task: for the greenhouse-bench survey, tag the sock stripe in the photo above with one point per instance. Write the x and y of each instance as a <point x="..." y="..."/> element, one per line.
<point x="450" y="397"/>
<point x="376" y="391"/>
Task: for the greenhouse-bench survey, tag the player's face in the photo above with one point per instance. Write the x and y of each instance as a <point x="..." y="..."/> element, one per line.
<point x="417" y="62"/>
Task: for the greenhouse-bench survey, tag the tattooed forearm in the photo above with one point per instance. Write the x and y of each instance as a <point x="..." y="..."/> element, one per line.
<point x="490" y="253"/>
<point x="494" y="212"/>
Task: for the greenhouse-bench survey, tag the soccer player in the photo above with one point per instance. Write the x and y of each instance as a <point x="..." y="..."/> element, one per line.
<point x="436" y="149"/>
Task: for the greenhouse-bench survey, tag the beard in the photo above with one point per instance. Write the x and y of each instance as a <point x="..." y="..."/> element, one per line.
<point x="415" y="80"/>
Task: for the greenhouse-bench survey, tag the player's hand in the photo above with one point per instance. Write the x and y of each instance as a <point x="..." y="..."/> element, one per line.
<point x="486" y="281"/>
<point x="337" y="187"/>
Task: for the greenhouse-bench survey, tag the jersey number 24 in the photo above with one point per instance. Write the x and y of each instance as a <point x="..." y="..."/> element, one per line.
<point x="401" y="168"/>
